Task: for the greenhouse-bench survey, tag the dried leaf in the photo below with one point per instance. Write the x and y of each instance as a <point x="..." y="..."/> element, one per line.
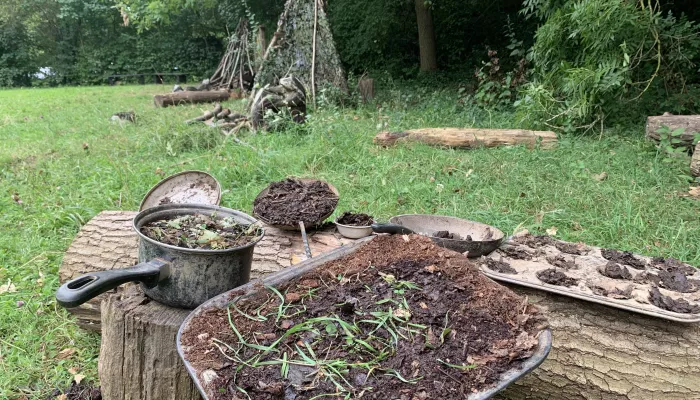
<point x="159" y="172"/>
<point x="9" y="287"/>
<point x="65" y="353"/>
<point x="552" y="231"/>
<point x="694" y="191"/>
<point x="466" y="175"/>
<point x="61" y="397"/>
<point x="85" y="146"/>
<point x="601" y="176"/>
<point x="78" y="378"/>
<point x="431" y="268"/>
<point x="73" y="370"/>
<point x="402" y="313"/>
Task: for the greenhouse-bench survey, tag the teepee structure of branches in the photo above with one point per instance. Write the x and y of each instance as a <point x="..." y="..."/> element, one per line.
<point x="237" y="67"/>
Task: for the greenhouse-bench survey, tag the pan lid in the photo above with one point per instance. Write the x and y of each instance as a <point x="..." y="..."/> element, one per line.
<point x="187" y="187"/>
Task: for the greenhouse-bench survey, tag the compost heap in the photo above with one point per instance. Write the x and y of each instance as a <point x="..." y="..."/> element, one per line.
<point x="398" y="318"/>
<point x="289" y="201"/>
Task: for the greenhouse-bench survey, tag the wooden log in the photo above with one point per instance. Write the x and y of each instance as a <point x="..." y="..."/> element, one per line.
<point x="695" y="161"/>
<point x="601" y="353"/>
<point x="691" y="124"/>
<point x="469" y="138"/>
<point x="190" y="97"/>
<point x="108" y="242"/>
<point x="138" y="355"/>
<point x="366" y="88"/>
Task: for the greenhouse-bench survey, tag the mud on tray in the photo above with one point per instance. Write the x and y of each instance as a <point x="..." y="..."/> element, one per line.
<point x="399" y="317"/>
<point x="662" y="287"/>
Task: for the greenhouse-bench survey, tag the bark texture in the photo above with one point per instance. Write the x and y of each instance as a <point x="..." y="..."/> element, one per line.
<point x="190" y="97"/>
<point x="138" y="355"/>
<point x="107" y="242"/>
<point x="366" y="88"/>
<point x="695" y="161"/>
<point x="691" y="124"/>
<point x="468" y="138"/>
<point x="607" y="354"/>
<point x="426" y="37"/>
<point x="291" y="50"/>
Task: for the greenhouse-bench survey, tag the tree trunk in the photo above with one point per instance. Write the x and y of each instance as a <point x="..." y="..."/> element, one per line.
<point x="190" y="97"/>
<point x="366" y="88"/>
<point x="604" y="353"/>
<point x="138" y="356"/>
<point x="691" y="124"/>
<point x="695" y="161"/>
<point x="426" y="37"/>
<point x="261" y="40"/>
<point x="469" y="138"/>
<point x="108" y="242"/>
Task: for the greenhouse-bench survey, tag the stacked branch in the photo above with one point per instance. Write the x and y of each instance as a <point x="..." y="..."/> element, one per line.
<point x="222" y="118"/>
<point x="237" y="68"/>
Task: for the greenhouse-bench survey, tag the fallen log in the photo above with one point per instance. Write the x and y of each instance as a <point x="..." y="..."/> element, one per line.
<point x="600" y="352"/>
<point x="190" y="97"/>
<point x="695" y="161"/>
<point x="470" y="138"/>
<point x="108" y="242"/>
<point x="691" y="124"/>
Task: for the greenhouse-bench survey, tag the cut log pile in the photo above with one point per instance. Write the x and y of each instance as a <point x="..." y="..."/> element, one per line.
<point x="470" y="138"/>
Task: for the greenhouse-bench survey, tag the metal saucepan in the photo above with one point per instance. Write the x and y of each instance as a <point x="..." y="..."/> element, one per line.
<point x="484" y="238"/>
<point x="175" y="276"/>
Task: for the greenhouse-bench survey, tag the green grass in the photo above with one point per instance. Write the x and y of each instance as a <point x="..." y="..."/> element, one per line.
<point x="61" y="186"/>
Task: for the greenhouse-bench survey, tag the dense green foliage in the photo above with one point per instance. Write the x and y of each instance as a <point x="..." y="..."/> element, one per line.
<point x="598" y="59"/>
<point x="83" y="41"/>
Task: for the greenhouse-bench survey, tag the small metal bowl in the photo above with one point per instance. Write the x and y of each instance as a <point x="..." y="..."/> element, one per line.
<point x="353" y="232"/>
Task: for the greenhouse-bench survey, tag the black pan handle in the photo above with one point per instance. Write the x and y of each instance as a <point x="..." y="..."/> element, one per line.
<point x="394" y="229"/>
<point x="84" y="288"/>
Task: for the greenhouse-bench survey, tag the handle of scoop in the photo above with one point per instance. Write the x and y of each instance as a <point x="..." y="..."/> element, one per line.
<point x="86" y="287"/>
<point x="394" y="229"/>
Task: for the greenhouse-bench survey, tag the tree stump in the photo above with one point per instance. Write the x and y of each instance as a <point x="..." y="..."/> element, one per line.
<point x="695" y="161"/>
<point x="108" y="242"/>
<point x="138" y="356"/>
<point x="603" y="353"/>
<point x="366" y="88"/>
<point x="691" y="124"/>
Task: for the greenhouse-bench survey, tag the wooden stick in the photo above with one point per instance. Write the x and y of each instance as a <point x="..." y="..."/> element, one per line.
<point x="313" y="54"/>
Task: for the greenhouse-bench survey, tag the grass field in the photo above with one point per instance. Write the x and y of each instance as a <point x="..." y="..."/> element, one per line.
<point x="65" y="162"/>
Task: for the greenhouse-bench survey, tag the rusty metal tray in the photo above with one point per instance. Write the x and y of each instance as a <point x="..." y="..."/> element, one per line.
<point x="588" y="276"/>
<point x="543" y="347"/>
